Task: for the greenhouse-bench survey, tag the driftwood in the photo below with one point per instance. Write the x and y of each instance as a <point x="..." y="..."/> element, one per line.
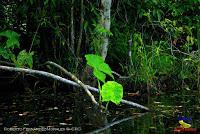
<point x="64" y="80"/>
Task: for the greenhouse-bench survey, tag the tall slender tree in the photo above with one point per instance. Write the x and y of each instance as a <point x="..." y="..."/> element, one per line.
<point x="105" y="22"/>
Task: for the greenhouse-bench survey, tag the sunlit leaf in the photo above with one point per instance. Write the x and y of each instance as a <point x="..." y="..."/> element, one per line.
<point x="94" y="60"/>
<point x="101" y="76"/>
<point x="112" y="91"/>
<point x="106" y="69"/>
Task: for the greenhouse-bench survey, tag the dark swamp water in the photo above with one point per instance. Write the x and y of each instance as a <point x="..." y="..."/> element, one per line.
<point x="40" y="108"/>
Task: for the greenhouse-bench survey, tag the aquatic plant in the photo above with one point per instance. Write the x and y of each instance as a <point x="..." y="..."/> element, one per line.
<point x="110" y="90"/>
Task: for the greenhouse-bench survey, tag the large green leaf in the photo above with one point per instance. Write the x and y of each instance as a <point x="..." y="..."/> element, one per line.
<point x="112" y="91"/>
<point x="100" y="76"/>
<point x="13" y="38"/>
<point x="9" y="34"/>
<point x="98" y="64"/>
<point x="12" y="42"/>
<point x="94" y="60"/>
<point x="105" y="69"/>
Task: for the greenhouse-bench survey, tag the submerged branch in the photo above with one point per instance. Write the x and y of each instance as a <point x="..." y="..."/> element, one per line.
<point x="64" y="80"/>
<point x="115" y="123"/>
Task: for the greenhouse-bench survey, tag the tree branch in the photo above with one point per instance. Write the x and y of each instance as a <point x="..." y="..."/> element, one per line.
<point x="122" y="77"/>
<point x="58" y="78"/>
<point x="115" y="123"/>
<point x="73" y="77"/>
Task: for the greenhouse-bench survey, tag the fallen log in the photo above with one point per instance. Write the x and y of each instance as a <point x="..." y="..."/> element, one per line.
<point x="64" y="80"/>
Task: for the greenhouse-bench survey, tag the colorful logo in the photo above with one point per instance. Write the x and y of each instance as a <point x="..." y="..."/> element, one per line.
<point x="185" y="126"/>
<point x="185" y="122"/>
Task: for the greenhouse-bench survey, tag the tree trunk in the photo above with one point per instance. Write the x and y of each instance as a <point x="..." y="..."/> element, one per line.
<point x="72" y="27"/>
<point x="106" y="24"/>
<point x="81" y="30"/>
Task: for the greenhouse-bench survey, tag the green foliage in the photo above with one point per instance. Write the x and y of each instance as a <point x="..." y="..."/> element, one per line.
<point x="5" y="53"/>
<point x="99" y="66"/>
<point x="99" y="75"/>
<point x="94" y="60"/>
<point x="48" y="2"/>
<point x="111" y="90"/>
<point x="100" y="30"/>
<point x="25" y="59"/>
<point x="12" y="39"/>
<point x="98" y="33"/>
<point x="119" y="41"/>
<point x="163" y="34"/>
<point x="7" y="50"/>
<point x="163" y="64"/>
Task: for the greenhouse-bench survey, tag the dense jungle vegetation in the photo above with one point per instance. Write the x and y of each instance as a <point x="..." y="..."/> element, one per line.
<point x="139" y="49"/>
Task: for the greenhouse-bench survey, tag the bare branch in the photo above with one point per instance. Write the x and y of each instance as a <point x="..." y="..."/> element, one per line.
<point x="58" y="78"/>
<point x="73" y="77"/>
<point x="115" y="123"/>
<point x="122" y="77"/>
